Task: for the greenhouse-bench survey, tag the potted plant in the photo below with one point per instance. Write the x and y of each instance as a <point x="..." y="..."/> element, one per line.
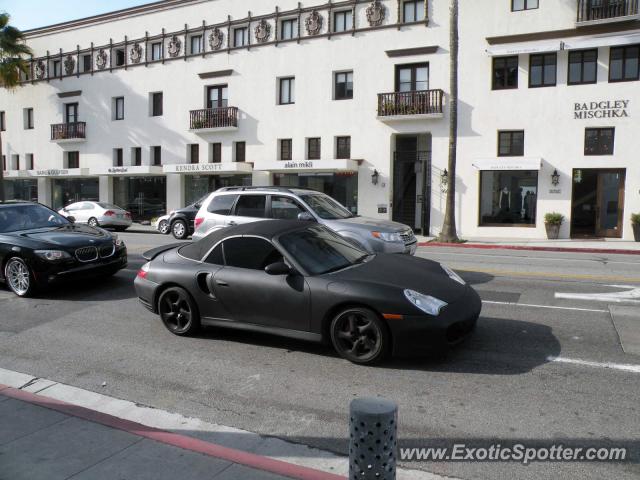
<point x="635" y="224"/>
<point x="552" y="222"/>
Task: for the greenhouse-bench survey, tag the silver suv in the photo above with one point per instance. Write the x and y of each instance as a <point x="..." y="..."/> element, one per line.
<point x="235" y="205"/>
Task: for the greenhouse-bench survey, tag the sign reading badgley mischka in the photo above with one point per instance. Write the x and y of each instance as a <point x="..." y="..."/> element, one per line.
<point x="602" y="109"/>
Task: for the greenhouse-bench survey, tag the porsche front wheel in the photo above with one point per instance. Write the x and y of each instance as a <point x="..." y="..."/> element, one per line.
<point x="360" y="336"/>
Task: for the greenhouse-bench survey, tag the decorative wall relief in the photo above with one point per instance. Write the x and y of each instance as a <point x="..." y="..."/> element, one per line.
<point x="216" y="38"/>
<point x="313" y="23"/>
<point x="101" y="59"/>
<point x="136" y="53"/>
<point x="69" y="65"/>
<point x="40" y="70"/>
<point x="375" y="13"/>
<point x="175" y="45"/>
<point x="263" y="31"/>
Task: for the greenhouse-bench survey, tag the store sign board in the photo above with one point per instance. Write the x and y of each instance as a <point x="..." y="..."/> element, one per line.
<point x="207" y="167"/>
<point x="602" y="109"/>
<point x="54" y="172"/>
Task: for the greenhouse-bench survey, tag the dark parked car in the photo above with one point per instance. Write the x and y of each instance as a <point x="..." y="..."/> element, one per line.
<point x="181" y="221"/>
<point x="39" y="246"/>
<point x="305" y="281"/>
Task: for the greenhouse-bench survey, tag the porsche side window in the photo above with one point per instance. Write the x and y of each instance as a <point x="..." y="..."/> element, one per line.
<point x="251" y="206"/>
<point x="222" y="204"/>
<point x="249" y="252"/>
<point x="215" y="257"/>
<point x="285" y="208"/>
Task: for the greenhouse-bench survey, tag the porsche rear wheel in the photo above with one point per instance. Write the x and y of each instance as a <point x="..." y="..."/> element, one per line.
<point x="360" y="336"/>
<point x="178" y="311"/>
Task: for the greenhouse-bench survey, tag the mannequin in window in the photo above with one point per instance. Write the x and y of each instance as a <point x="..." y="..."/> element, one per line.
<point x="505" y="200"/>
<point x="518" y="201"/>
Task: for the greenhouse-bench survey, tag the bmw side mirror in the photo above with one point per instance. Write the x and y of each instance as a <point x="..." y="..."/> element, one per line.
<point x="71" y="218"/>
<point x="306" y="217"/>
<point x="279" y="268"/>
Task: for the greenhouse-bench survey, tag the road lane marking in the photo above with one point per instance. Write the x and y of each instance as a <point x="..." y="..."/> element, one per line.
<point x="627" y="296"/>
<point x="548" y="275"/>
<point x="524" y="257"/>
<point x="553" y="307"/>
<point x="625" y="367"/>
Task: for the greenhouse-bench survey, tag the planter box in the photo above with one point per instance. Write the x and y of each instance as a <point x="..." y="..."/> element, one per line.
<point x="636" y="232"/>
<point x="553" y="231"/>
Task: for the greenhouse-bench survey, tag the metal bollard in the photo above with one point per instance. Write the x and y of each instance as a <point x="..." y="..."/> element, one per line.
<point x="373" y="441"/>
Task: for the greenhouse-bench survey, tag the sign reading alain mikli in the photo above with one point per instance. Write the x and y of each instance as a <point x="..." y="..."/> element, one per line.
<point x="603" y="109"/>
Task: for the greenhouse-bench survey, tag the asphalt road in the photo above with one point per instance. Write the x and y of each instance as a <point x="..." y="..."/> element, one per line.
<point x="546" y="363"/>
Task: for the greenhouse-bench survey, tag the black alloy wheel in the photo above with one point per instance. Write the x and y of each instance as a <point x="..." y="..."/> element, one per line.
<point x="179" y="230"/>
<point x="178" y="311"/>
<point x="360" y="336"/>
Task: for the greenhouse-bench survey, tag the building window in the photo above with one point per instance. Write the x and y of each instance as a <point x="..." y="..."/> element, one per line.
<point x="57" y="71"/>
<point x="343" y="21"/>
<point x="313" y="149"/>
<point x="71" y="112"/>
<point x="240" y="151"/>
<point x="240" y="36"/>
<point x="29" y="161"/>
<point x="196" y="44"/>
<point x="287" y="91"/>
<point x="136" y="156"/>
<point x="194" y="153"/>
<point x="3" y="125"/>
<point x="599" y="141"/>
<point x="285" y="149"/>
<point x="118" y="108"/>
<point x="511" y="143"/>
<point x="4" y="162"/>
<point x="411" y="78"/>
<point x="16" y="162"/>
<point x="343" y="147"/>
<point x="624" y="63"/>
<point x="28" y="118"/>
<point x="542" y="70"/>
<point x="119" y="57"/>
<point x="156" y="155"/>
<point x="156" y="104"/>
<point x="289" y="29"/>
<point x="413" y="11"/>
<point x="519" y="5"/>
<point x="217" y="96"/>
<point x="216" y="152"/>
<point x="73" y="159"/>
<point x="583" y="67"/>
<point x="505" y="73"/>
<point x="117" y="157"/>
<point x="343" y="86"/>
<point x="86" y="63"/>
<point x="156" y="51"/>
<point x="508" y="198"/>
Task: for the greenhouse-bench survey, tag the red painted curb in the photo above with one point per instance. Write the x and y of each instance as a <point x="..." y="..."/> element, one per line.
<point x="484" y="246"/>
<point x="181" y="441"/>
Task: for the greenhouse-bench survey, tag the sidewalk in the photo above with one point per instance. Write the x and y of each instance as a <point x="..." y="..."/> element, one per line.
<point x="610" y="246"/>
<point x="44" y="438"/>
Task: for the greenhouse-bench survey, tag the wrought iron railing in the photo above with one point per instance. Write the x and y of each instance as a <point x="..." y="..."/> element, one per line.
<point x="68" y="131"/>
<point x="213" y="118"/>
<point x="589" y="10"/>
<point x="419" y="102"/>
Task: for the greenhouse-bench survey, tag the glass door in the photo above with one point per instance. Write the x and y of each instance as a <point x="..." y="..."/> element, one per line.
<point x="71" y="112"/>
<point x="610" y="207"/>
<point x="217" y="96"/>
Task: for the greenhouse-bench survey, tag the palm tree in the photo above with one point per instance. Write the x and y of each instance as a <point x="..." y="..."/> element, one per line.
<point x="12" y="62"/>
<point x="449" y="233"/>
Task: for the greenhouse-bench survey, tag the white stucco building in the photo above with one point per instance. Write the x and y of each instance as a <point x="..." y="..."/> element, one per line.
<point x="153" y="106"/>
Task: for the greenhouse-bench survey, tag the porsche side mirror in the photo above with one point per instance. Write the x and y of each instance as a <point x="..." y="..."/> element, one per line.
<point x="71" y="218"/>
<point x="306" y="217"/>
<point x="279" y="268"/>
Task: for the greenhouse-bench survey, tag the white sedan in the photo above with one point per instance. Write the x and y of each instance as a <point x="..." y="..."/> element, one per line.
<point x="98" y="214"/>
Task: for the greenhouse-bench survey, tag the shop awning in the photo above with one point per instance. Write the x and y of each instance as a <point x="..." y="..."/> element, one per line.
<point x="602" y="41"/>
<point x="128" y="171"/>
<point x="568" y="43"/>
<point x="524" y="48"/>
<point x="301" y="166"/>
<point x="223" y="168"/>
<point x="10" y="174"/>
<point x="508" y="163"/>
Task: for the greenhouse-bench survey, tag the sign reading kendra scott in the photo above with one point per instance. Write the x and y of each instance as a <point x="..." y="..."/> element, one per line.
<point x="602" y="109"/>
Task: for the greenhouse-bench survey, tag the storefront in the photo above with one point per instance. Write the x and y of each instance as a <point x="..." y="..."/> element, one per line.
<point x="69" y="190"/>
<point x="21" y="189"/>
<point x="336" y="178"/>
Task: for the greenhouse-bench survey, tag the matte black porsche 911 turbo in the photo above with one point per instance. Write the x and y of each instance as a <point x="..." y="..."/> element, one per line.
<point x="304" y="281"/>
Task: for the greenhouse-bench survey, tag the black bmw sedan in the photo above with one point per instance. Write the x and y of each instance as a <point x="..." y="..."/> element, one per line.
<point x="38" y="247"/>
<point x="304" y="281"/>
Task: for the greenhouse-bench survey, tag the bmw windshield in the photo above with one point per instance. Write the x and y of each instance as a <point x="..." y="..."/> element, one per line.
<point x="319" y="250"/>
<point x="326" y="207"/>
<point x="14" y="218"/>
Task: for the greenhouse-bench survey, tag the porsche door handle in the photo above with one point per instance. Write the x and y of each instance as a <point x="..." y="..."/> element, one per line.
<point x="222" y="283"/>
<point x="232" y="223"/>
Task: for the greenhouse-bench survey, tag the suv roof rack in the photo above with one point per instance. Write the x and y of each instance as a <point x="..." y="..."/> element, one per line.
<point x="269" y="187"/>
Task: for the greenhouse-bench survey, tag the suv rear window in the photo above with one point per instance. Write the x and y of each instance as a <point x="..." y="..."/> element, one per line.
<point x="222" y="204"/>
<point x="251" y="206"/>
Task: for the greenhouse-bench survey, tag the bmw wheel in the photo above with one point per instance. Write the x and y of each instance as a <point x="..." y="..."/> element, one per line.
<point x="19" y="277"/>
<point x="179" y="229"/>
<point x="360" y="336"/>
<point x="178" y="311"/>
<point x="93" y="222"/>
<point x="163" y="227"/>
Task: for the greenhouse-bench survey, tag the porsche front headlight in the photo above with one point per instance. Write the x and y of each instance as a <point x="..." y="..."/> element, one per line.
<point x="426" y="303"/>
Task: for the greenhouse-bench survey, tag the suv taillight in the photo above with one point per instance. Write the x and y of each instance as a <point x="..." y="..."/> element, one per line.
<point x="198" y="221"/>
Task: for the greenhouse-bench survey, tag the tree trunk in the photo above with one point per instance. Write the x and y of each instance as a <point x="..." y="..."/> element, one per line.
<point x="449" y="233"/>
<point x="2" y="198"/>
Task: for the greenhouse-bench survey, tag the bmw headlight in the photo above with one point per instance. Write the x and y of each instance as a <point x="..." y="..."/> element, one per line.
<point x="426" y="303"/>
<point x="117" y="242"/>
<point x="453" y="275"/>
<point x="52" y="255"/>
<point x="387" y="236"/>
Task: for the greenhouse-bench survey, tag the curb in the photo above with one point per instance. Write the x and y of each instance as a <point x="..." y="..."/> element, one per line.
<point x="484" y="246"/>
<point x="250" y="460"/>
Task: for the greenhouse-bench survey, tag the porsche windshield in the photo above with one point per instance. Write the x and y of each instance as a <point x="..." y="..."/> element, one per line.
<point x="326" y="207"/>
<point x="319" y="250"/>
<point x="28" y="217"/>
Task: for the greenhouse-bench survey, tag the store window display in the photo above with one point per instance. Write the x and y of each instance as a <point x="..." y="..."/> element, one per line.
<point x="508" y="198"/>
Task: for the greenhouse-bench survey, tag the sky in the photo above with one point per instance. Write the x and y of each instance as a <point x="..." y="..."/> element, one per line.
<point x="27" y="14"/>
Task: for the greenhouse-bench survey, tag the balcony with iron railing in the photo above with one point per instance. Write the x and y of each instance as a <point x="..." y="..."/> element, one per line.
<point x="68" y="132"/>
<point x="418" y="104"/>
<point x="213" y="119"/>
<point x="602" y="11"/>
